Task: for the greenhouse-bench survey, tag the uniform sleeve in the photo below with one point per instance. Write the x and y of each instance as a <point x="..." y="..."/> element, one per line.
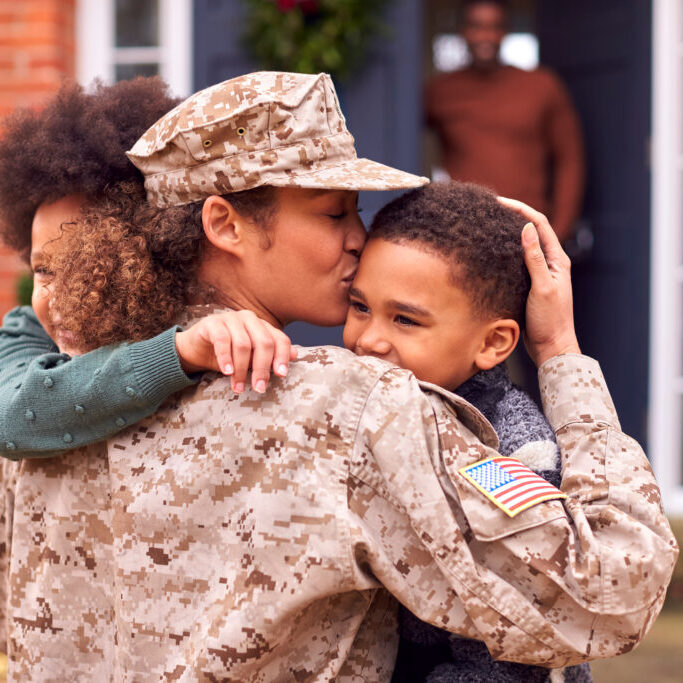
<point x="51" y="401"/>
<point x="561" y="582"/>
<point x="565" y="143"/>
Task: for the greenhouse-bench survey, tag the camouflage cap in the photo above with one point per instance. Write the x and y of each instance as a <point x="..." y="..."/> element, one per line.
<point x="265" y="128"/>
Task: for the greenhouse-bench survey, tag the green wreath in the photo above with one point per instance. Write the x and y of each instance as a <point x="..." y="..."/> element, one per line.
<point x="310" y="36"/>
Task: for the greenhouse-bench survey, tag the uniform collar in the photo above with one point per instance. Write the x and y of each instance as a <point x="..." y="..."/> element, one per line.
<point x="193" y="314"/>
<point x="466" y="413"/>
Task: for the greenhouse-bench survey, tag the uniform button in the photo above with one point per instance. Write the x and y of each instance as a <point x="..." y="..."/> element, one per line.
<point x="30" y="415"/>
<point x="79" y="409"/>
<point x="17" y="386"/>
<point x="48" y="382"/>
<point x="97" y="372"/>
<point x="130" y="391"/>
<point x="11" y="445"/>
<point x="120" y="422"/>
<point x="68" y="438"/>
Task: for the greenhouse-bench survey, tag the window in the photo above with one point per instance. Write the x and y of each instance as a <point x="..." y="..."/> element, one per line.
<point x="449" y="51"/>
<point x="120" y="39"/>
<point x="666" y="305"/>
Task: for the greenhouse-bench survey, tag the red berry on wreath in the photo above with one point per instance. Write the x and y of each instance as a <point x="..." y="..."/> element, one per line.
<point x="286" y="5"/>
<point x="309" y="6"/>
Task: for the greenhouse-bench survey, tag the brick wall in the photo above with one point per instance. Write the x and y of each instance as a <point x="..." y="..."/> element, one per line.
<point x="37" y="50"/>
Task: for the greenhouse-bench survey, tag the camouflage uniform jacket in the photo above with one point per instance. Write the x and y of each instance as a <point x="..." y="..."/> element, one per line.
<point x="252" y="537"/>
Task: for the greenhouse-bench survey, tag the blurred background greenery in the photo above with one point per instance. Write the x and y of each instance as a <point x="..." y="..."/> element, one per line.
<point x="24" y="289"/>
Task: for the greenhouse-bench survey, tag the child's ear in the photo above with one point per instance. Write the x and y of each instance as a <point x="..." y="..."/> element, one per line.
<point x="499" y="341"/>
<point x="223" y="226"/>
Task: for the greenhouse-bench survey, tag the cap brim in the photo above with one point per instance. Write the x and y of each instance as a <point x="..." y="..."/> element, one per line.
<point x="353" y="174"/>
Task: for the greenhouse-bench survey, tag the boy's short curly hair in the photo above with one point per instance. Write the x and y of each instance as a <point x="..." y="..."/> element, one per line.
<point x="478" y="236"/>
<point x="75" y="145"/>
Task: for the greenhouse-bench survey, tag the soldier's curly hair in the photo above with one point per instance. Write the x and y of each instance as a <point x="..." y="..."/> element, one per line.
<point x="126" y="269"/>
<point x="75" y="145"/>
<point x="481" y="239"/>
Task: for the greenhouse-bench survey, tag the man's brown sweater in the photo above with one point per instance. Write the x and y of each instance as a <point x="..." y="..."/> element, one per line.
<point x="514" y="131"/>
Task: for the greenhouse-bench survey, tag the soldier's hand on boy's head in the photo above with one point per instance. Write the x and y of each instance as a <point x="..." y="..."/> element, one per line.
<point x="232" y="342"/>
<point x="549" y="313"/>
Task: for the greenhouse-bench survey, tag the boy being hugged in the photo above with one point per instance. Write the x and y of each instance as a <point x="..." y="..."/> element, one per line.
<point x="441" y="290"/>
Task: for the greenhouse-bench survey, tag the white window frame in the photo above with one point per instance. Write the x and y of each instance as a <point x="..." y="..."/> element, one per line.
<point x="666" y="304"/>
<point x="97" y="54"/>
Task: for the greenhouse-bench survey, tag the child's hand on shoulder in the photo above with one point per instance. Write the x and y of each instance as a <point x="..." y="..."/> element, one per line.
<point x="232" y="342"/>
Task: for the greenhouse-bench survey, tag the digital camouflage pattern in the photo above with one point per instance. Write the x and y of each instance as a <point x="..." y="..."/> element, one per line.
<point x="265" y="128"/>
<point x="257" y="537"/>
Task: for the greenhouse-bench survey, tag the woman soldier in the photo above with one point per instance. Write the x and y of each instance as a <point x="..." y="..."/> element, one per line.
<point x="249" y="537"/>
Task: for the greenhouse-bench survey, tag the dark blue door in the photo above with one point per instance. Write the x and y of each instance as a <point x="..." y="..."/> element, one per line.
<point x="602" y="51"/>
<point x="382" y="103"/>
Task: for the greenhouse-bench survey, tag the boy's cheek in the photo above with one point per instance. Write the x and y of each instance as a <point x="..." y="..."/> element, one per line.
<point x="348" y="337"/>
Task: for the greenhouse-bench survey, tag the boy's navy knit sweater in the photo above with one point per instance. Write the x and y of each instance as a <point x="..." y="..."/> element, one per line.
<point x="429" y="654"/>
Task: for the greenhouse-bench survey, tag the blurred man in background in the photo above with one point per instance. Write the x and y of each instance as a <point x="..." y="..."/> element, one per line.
<point x="514" y="131"/>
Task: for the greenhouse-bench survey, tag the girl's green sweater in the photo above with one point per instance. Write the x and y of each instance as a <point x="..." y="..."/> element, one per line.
<point x="51" y="402"/>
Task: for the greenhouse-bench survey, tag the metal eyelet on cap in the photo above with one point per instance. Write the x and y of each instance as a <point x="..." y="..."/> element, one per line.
<point x="207" y="143"/>
<point x="241" y="131"/>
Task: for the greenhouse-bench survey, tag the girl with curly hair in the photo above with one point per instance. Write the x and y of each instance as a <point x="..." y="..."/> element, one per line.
<point x="56" y="164"/>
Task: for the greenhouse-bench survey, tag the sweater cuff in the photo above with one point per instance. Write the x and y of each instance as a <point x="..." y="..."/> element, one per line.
<point x="157" y="367"/>
<point x="574" y="390"/>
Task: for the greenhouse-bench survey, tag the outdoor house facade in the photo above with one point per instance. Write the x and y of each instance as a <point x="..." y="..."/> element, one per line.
<point x="625" y="80"/>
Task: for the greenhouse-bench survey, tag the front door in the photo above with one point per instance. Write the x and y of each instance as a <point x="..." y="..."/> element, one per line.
<point x="602" y="52"/>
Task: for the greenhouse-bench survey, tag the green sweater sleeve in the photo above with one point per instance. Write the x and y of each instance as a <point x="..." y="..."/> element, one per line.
<point x="51" y="402"/>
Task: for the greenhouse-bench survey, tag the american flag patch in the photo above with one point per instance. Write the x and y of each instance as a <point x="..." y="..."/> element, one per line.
<point x="509" y="484"/>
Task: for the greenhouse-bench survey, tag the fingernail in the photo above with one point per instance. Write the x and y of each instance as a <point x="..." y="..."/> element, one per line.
<point x="228" y="369"/>
<point x="260" y="386"/>
<point x="239" y="387"/>
<point x="282" y="369"/>
<point x="528" y="234"/>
